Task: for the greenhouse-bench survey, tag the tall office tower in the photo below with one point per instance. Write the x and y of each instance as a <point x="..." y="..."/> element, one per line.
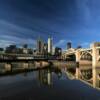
<point x="50" y="44"/>
<point x="45" y="48"/>
<point x="58" y="51"/>
<point x="68" y="45"/>
<point x="40" y="46"/>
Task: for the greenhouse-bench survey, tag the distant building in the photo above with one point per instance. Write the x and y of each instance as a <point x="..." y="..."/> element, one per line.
<point x="19" y="51"/>
<point x="25" y="50"/>
<point x="68" y="45"/>
<point x="1" y="50"/>
<point x="25" y="46"/>
<point x="58" y="51"/>
<point x="45" y="48"/>
<point x="53" y="51"/>
<point x="50" y="44"/>
<point x="30" y="51"/>
<point x="40" y="46"/>
<point x="35" y="52"/>
<point x="78" y="47"/>
<point x="11" y="49"/>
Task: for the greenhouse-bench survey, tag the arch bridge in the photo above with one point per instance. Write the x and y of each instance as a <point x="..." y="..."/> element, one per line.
<point x="88" y="62"/>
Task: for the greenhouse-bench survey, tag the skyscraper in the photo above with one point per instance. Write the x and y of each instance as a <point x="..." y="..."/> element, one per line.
<point x="40" y="46"/>
<point x="45" y="48"/>
<point x="50" y="45"/>
<point x="58" y="51"/>
<point x="68" y="45"/>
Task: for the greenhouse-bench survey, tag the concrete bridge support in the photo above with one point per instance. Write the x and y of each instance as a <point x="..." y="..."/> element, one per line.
<point x="95" y="65"/>
<point x="77" y="73"/>
<point x="77" y="56"/>
<point x="95" y="78"/>
<point x="77" y="65"/>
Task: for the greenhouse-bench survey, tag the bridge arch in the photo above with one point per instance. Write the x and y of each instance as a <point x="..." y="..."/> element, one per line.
<point x="86" y="56"/>
<point x="71" y="57"/>
<point x="86" y="75"/>
<point x="98" y="59"/>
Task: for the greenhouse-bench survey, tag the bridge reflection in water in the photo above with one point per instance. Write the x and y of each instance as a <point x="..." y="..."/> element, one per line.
<point x="83" y="72"/>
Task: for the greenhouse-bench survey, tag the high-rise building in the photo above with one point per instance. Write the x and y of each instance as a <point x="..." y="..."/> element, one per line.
<point x="68" y="45"/>
<point x="1" y="50"/>
<point x="50" y="45"/>
<point x="45" y="48"/>
<point x="25" y="46"/>
<point x="40" y="45"/>
<point x="53" y="50"/>
<point x="58" y="51"/>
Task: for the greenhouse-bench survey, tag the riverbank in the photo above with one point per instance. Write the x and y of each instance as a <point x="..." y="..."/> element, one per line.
<point x="17" y="67"/>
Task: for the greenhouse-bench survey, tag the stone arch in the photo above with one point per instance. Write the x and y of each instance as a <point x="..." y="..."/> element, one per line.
<point x="86" y="74"/>
<point x="71" y="57"/>
<point x="98" y="59"/>
<point x="86" y="56"/>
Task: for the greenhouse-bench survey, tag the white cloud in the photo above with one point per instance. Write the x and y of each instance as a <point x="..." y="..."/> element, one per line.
<point x="61" y="42"/>
<point x="85" y="44"/>
<point x="5" y="43"/>
<point x="6" y="40"/>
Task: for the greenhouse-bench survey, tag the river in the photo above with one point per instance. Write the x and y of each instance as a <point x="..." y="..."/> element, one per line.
<point x="45" y="84"/>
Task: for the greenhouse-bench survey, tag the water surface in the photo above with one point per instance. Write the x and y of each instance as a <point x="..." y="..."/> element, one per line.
<point x="45" y="84"/>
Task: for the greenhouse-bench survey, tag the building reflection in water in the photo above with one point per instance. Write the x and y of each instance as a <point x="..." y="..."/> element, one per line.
<point x="45" y="76"/>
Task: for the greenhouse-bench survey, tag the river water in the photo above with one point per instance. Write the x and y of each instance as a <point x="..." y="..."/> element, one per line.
<point x="45" y="84"/>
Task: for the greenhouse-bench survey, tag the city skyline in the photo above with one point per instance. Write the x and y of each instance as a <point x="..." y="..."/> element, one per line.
<point x="65" y="20"/>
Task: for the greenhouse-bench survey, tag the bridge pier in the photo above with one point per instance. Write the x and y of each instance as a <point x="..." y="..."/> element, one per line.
<point x="77" y="71"/>
<point x="96" y="82"/>
<point x="95" y="65"/>
<point x="77" y="64"/>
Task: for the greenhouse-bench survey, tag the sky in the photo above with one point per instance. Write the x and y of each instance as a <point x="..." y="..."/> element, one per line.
<point x="23" y="21"/>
